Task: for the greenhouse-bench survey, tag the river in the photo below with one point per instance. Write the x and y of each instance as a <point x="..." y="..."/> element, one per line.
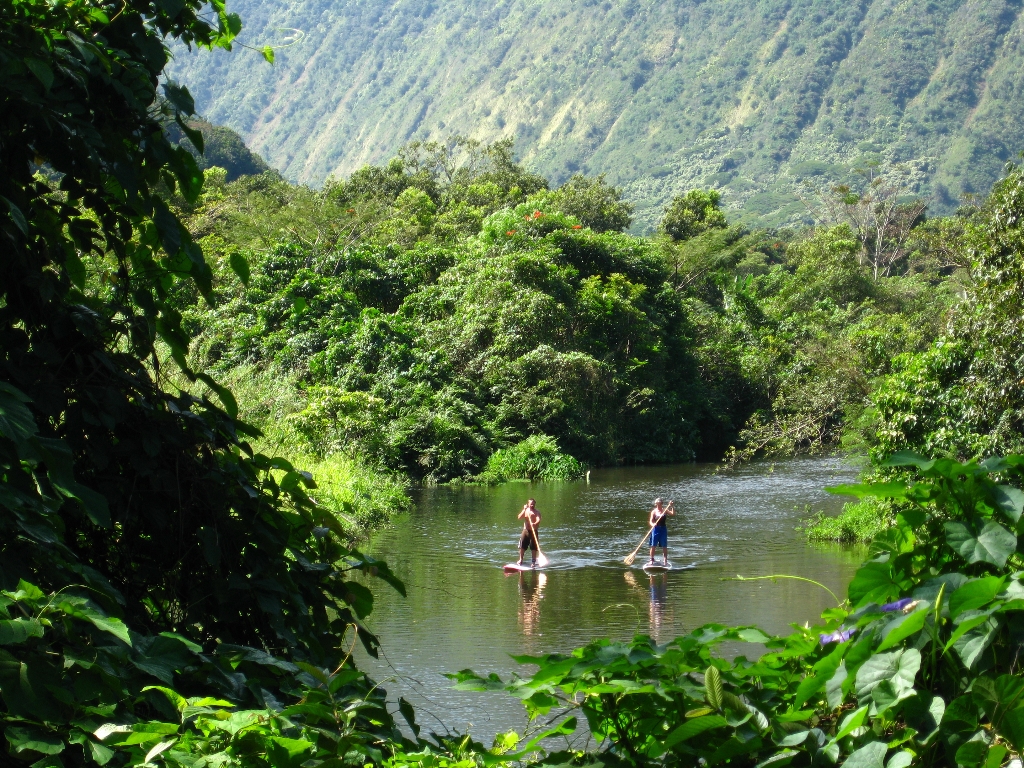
<point x="462" y="611"/>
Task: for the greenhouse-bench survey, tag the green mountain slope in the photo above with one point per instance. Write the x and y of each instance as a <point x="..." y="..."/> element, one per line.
<point x="755" y="97"/>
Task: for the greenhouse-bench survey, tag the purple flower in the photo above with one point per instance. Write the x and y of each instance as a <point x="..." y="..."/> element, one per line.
<point x="899" y="605"/>
<point x="839" y="636"/>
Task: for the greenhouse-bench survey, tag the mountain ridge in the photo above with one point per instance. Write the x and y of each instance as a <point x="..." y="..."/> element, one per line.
<point x="757" y="99"/>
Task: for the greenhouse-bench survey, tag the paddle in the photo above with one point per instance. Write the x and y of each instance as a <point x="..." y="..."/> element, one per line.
<point x="542" y="560"/>
<point x="628" y="559"/>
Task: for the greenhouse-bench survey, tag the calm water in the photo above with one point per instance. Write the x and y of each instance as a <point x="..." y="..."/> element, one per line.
<point x="462" y="611"/>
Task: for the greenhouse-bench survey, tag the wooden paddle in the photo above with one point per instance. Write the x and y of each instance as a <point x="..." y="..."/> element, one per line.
<point x="628" y="559"/>
<point x="542" y="559"/>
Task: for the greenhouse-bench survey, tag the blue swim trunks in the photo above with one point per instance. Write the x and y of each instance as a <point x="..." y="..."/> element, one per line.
<point x="659" y="536"/>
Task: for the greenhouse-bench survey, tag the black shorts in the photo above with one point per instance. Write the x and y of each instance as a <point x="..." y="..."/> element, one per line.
<point x="528" y="541"/>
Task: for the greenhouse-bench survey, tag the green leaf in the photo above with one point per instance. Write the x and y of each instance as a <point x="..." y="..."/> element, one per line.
<point x="177" y="700"/>
<point x="973" y="643"/>
<point x="98" y="619"/>
<point x="778" y="759"/>
<point x="17" y="216"/>
<point x="691" y="728"/>
<point x="900" y="668"/>
<point x="26" y="687"/>
<point x="227" y="399"/>
<point x="879" y="490"/>
<point x="972" y="754"/>
<point x="871" y="755"/>
<point x="1010" y="501"/>
<point x="873" y="583"/>
<point x="19" y="630"/>
<point x="966" y="626"/>
<point x="76" y="270"/>
<point x="358" y="596"/>
<point x="999" y="697"/>
<point x="34" y="740"/>
<point x="41" y="70"/>
<point x="752" y="635"/>
<point x="993" y="544"/>
<point x="996" y="754"/>
<point x="900" y="760"/>
<point x="172" y="8"/>
<point x="909" y="459"/>
<point x="1012" y="728"/>
<point x="240" y="266"/>
<point x="900" y="629"/>
<point x="180" y="97"/>
<point x="974" y="594"/>
<point x="268" y="53"/>
<point x="161" y="747"/>
<point x="851" y="722"/>
<point x="100" y="753"/>
<point x="713" y="687"/>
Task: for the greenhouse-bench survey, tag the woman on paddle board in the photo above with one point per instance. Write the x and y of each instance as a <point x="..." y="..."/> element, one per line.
<point x="531" y="522"/>
<point x="659" y="529"/>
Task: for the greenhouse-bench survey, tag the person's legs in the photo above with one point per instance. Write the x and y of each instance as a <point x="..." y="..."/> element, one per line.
<point x="521" y="553"/>
<point x="664" y="554"/>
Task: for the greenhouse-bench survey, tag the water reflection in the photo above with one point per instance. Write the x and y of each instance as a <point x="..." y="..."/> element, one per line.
<point x="531" y="588"/>
<point x="658" y="604"/>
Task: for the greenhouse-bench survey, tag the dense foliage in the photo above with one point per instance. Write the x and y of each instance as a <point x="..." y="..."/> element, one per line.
<point x="754" y="99"/>
<point x="964" y="396"/>
<point x="449" y="305"/>
<point x="143" y="543"/>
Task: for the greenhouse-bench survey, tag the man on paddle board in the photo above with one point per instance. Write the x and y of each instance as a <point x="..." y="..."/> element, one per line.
<point x="659" y="528"/>
<point x="530" y="517"/>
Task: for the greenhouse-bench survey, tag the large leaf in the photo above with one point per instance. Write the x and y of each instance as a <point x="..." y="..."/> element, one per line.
<point x="991" y="544"/>
<point x="19" y="630"/>
<point x="871" y="755"/>
<point x="975" y="594"/>
<point x="692" y="728"/>
<point x="873" y="583"/>
<point x="879" y="490"/>
<point x="973" y="643"/>
<point x="1012" y="728"/>
<point x="713" y="687"/>
<point x="900" y="668"/>
<point x="1010" y="501"/>
<point x="999" y="696"/>
<point x="900" y="629"/>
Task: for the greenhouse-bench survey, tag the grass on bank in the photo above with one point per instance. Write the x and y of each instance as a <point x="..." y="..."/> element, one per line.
<point x="858" y="522"/>
<point x="364" y="498"/>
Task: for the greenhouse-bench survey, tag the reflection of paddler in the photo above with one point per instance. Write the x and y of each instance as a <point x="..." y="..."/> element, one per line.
<point x="659" y="599"/>
<point x="529" y="537"/>
<point x="531" y="587"/>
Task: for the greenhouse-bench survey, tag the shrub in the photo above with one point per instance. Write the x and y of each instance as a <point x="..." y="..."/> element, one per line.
<point x="535" y="458"/>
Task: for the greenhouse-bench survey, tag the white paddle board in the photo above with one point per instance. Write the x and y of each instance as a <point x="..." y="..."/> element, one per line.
<point x="513" y="567"/>
<point x="657" y="567"/>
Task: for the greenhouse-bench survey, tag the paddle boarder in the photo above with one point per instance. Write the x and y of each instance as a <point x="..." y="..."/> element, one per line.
<point x="531" y="522"/>
<point x="659" y="529"/>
